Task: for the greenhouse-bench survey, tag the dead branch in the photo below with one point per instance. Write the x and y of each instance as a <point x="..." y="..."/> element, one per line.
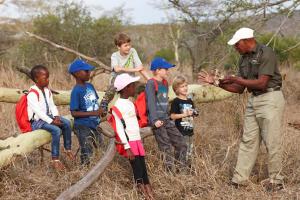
<point x="283" y="22"/>
<point x="291" y="48"/>
<point x="25" y="70"/>
<point x="96" y="60"/>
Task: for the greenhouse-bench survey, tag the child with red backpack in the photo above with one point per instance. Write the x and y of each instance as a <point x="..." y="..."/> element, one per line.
<point x="166" y="134"/>
<point x="43" y="114"/>
<point x="125" y="124"/>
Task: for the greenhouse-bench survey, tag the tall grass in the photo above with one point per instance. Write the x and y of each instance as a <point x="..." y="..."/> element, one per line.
<point x="217" y="133"/>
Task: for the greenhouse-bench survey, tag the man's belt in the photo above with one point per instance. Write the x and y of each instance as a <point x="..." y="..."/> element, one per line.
<point x="256" y="93"/>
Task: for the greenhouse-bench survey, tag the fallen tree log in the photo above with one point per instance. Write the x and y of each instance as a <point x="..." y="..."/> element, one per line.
<point x="23" y="144"/>
<point x="26" y="143"/>
<point x="11" y="95"/>
<point x="200" y="93"/>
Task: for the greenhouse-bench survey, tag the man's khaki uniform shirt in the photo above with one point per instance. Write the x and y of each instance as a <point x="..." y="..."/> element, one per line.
<point x="260" y="61"/>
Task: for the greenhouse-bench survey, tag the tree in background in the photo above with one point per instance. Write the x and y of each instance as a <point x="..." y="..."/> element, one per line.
<point x="208" y="24"/>
<point x="72" y="26"/>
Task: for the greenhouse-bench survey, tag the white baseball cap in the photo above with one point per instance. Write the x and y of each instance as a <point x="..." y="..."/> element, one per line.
<point x="123" y="80"/>
<point x="242" y="33"/>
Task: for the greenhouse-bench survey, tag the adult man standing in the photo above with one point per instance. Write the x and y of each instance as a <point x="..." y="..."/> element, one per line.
<point x="258" y="72"/>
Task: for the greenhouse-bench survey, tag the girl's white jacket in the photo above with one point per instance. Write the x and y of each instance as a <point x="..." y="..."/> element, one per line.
<point x="127" y="109"/>
<point x="38" y="106"/>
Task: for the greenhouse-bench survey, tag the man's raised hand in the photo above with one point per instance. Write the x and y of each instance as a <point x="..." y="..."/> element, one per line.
<point x="205" y="77"/>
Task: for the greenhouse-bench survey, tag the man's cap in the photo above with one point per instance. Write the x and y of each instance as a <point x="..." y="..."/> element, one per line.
<point x="78" y="65"/>
<point x="242" y="33"/>
<point x="123" y="80"/>
<point x="160" y="63"/>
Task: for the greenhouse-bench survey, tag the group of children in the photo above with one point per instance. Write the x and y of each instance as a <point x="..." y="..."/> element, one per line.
<point x="172" y="129"/>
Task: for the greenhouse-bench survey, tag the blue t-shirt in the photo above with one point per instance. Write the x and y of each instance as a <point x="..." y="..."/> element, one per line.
<point x="85" y="99"/>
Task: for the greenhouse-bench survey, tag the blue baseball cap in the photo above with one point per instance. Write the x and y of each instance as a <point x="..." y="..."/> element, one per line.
<point x="160" y="63"/>
<point x="78" y="65"/>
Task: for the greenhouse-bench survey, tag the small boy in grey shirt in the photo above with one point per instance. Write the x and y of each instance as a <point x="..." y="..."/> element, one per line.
<point x="166" y="134"/>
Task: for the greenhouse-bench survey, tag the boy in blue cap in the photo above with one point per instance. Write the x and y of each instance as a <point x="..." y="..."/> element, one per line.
<point x="165" y="131"/>
<point x="85" y="109"/>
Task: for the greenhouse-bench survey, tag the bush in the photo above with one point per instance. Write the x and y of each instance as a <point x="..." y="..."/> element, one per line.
<point x="167" y="54"/>
<point x="71" y="26"/>
<point x="280" y="45"/>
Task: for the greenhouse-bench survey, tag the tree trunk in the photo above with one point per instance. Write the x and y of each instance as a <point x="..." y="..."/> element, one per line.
<point x="201" y="94"/>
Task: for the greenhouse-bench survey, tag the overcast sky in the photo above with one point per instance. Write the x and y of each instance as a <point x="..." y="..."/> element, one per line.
<point x="139" y="11"/>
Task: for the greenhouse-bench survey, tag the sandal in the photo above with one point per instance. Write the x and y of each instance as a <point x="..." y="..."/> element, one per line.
<point x="70" y="155"/>
<point x="56" y="164"/>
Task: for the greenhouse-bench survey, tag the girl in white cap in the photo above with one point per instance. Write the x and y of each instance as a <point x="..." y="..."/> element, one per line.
<point x="127" y="128"/>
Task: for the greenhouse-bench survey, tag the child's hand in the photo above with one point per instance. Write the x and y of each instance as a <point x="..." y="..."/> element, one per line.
<point x="189" y="112"/>
<point x="57" y="118"/>
<point x="158" y="123"/>
<point x="138" y="69"/>
<point x="56" y="121"/>
<point x="130" y="154"/>
<point x="101" y="112"/>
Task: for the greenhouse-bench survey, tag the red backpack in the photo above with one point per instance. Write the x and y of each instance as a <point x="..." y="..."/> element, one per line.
<point x="112" y="121"/>
<point x="22" y="113"/>
<point x="141" y="105"/>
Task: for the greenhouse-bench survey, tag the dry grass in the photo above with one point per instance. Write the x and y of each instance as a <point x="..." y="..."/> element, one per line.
<point x="218" y="129"/>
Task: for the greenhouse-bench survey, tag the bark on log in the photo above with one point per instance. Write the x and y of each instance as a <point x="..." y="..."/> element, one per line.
<point x="23" y="144"/>
<point x="201" y="94"/>
<point x="10" y="95"/>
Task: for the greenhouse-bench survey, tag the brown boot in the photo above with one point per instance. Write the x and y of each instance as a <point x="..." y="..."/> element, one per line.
<point x="57" y="165"/>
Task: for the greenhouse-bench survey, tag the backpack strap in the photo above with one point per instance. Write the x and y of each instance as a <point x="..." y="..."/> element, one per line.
<point x="38" y="96"/>
<point x="136" y="112"/>
<point x="36" y="92"/>
<point x="164" y="82"/>
<point x="50" y="93"/>
<point x="119" y="115"/>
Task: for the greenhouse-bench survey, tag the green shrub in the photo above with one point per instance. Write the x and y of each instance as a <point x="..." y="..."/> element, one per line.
<point x="71" y="26"/>
<point x="167" y="54"/>
<point x="280" y="45"/>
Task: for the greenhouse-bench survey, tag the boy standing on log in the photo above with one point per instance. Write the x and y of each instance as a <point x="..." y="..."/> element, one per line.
<point x="84" y="108"/>
<point x="44" y="115"/>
